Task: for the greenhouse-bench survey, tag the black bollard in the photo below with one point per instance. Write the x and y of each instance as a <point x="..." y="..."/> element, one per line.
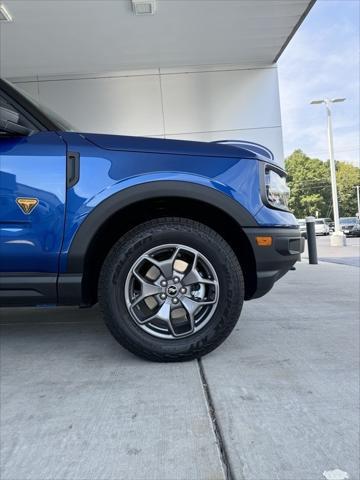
<point x="311" y="239"/>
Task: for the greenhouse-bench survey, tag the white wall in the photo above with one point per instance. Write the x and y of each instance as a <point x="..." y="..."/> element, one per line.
<point x="195" y="104"/>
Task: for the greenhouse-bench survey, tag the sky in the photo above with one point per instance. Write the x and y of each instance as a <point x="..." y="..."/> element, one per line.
<point x="322" y="60"/>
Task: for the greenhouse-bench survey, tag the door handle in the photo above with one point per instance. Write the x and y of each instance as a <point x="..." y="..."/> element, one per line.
<point x="72" y="169"/>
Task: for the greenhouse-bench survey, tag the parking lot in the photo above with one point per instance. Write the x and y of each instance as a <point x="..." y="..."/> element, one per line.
<point x="279" y="400"/>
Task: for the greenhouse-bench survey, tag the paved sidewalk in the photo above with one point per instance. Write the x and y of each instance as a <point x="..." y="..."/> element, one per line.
<point x="77" y="406"/>
<point x="286" y="386"/>
<point x="284" y="389"/>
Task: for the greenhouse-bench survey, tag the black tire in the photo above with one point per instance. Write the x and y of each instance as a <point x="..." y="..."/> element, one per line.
<point x="121" y="259"/>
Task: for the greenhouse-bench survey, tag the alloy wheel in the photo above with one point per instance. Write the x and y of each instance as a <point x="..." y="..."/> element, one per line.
<point x="172" y="291"/>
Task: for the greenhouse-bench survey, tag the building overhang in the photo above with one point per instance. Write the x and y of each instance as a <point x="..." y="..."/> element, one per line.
<point x="79" y="36"/>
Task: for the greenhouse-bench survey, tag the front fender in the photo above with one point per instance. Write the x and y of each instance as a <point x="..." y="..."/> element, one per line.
<point x="99" y="209"/>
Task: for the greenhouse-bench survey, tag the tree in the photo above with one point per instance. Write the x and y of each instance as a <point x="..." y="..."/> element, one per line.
<point x="310" y="186"/>
<point x="347" y="176"/>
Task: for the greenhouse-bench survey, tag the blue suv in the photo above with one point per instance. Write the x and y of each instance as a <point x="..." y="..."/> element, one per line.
<point x="170" y="237"/>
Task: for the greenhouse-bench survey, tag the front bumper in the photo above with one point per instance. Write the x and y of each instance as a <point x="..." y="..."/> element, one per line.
<point x="274" y="261"/>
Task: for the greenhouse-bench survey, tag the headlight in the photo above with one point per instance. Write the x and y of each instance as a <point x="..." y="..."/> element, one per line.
<point x="276" y="190"/>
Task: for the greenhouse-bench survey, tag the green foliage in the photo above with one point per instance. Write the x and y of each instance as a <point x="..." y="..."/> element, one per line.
<point x="310" y="186"/>
<point x="347" y="177"/>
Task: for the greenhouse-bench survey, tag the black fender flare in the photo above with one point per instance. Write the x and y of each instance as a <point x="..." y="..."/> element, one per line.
<point x="150" y="190"/>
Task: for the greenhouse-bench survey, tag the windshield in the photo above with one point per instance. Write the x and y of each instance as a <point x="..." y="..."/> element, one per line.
<point x="319" y="222"/>
<point x="62" y="124"/>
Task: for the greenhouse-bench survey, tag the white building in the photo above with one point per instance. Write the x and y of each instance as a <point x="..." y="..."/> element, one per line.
<point x="194" y="69"/>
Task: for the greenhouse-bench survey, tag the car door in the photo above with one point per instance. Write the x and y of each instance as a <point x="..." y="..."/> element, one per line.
<point x="32" y="211"/>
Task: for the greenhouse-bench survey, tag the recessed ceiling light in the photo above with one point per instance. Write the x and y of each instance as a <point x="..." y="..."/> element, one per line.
<point x="143" y="7"/>
<point x="4" y="14"/>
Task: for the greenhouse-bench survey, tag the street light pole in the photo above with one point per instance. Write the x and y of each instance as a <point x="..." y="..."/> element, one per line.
<point x="338" y="238"/>
<point x="332" y="169"/>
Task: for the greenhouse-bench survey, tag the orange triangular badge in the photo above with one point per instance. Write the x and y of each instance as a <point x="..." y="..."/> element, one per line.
<point x="27" y="205"/>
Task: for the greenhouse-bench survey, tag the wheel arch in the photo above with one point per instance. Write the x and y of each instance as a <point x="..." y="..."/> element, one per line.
<point x="124" y="210"/>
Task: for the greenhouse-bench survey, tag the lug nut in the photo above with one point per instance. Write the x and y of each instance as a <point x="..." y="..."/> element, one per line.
<point x="182" y="290"/>
<point x="176" y="280"/>
<point x="162" y="296"/>
<point x="175" y="300"/>
<point x="163" y="283"/>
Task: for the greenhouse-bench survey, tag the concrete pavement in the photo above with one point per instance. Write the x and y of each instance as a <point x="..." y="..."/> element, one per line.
<point x="286" y="385"/>
<point x="348" y="255"/>
<point x="77" y="406"/>
<point x="280" y="399"/>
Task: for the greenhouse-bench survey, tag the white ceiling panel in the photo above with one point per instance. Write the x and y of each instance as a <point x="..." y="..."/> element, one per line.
<point x="54" y="37"/>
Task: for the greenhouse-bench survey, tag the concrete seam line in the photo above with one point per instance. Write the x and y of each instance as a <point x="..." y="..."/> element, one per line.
<point x="215" y="424"/>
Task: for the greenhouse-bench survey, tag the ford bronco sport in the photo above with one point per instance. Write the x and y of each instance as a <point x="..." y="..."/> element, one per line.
<point x="170" y="237"/>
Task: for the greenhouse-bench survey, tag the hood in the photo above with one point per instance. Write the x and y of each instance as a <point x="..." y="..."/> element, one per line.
<point x="223" y="148"/>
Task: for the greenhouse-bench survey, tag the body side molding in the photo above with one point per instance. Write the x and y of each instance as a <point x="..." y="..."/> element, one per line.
<point x="27" y="289"/>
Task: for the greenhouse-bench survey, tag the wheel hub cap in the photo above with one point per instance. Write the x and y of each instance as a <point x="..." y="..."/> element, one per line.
<point x="172" y="291"/>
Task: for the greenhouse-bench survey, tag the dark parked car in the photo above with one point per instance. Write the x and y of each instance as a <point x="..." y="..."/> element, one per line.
<point x="354" y="231"/>
<point x="347" y="223"/>
<point x="330" y="224"/>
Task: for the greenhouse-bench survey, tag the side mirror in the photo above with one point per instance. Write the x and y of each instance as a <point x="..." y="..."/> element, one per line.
<point x="9" y="123"/>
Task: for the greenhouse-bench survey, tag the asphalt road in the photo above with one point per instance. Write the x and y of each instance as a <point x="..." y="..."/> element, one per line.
<point x="277" y="401"/>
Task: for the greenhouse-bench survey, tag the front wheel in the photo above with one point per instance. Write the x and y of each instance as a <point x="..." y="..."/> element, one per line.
<point x="171" y="289"/>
